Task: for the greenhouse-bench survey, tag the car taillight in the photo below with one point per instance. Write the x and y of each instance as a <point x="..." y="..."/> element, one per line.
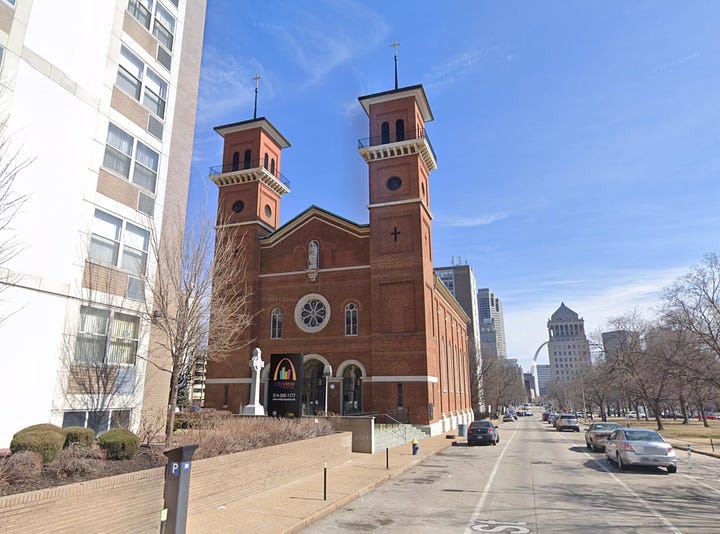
<point x="627" y="447"/>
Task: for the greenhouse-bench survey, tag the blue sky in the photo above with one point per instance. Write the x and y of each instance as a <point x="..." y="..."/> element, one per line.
<point x="578" y="143"/>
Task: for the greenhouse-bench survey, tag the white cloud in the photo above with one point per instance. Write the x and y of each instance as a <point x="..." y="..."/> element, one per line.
<point x="480" y="220"/>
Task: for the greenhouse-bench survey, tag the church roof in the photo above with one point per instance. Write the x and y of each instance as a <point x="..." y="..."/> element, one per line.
<point x="316" y="212"/>
<point x="563" y="313"/>
<point x="414" y="90"/>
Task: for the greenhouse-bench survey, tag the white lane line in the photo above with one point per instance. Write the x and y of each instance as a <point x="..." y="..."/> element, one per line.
<point x="488" y="485"/>
<point x="642" y="501"/>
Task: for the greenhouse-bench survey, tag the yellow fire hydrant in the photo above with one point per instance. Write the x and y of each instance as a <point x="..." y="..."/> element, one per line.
<point x="415" y="446"/>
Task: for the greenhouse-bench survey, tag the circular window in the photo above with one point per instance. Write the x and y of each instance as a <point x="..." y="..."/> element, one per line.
<point x="312" y="313"/>
<point x="268" y="211"/>
<point x="394" y="183"/>
<point x="238" y="206"/>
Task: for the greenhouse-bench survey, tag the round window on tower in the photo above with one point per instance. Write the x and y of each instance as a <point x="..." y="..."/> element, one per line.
<point x="238" y="206"/>
<point x="394" y="183"/>
<point x="268" y="211"/>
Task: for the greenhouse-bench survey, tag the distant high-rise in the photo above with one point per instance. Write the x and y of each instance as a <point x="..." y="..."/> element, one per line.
<point x="615" y="341"/>
<point x="460" y="281"/>
<point x="529" y="381"/>
<point x="543" y="378"/>
<point x="568" y="347"/>
<point x="492" y="324"/>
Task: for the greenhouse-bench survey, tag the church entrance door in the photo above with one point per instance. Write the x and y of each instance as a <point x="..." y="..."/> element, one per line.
<point x="352" y="390"/>
<point x="313" y="398"/>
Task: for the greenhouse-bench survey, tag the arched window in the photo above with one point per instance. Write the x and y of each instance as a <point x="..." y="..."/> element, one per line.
<point x="272" y="166"/>
<point x="265" y="161"/>
<point x="246" y="159"/>
<point x="352" y="390"/>
<point x="351" y="319"/>
<point x="400" y="130"/>
<point x="313" y="254"/>
<point x="236" y="161"/>
<point x="276" y="324"/>
<point x="385" y="132"/>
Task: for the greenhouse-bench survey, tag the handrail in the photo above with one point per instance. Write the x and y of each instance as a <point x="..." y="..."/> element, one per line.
<point x="378" y="140"/>
<point x="404" y="435"/>
<point x="253" y="165"/>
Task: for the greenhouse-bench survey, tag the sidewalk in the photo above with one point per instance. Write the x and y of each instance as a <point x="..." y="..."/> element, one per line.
<point x="290" y="507"/>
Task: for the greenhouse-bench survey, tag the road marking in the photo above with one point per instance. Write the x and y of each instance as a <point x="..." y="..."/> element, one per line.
<point x="642" y="501"/>
<point x="701" y="483"/>
<point x="488" y="485"/>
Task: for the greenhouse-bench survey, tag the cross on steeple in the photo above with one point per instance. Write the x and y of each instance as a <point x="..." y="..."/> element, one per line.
<point x="395" y="45"/>
<point x="256" y="78"/>
<point x="395" y="233"/>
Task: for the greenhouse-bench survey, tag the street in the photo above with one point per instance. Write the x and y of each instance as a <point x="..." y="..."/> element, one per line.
<point x="537" y="480"/>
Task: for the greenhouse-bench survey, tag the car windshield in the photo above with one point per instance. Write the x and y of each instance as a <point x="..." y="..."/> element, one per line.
<point x="643" y="435"/>
<point x="481" y="424"/>
<point x="605" y="426"/>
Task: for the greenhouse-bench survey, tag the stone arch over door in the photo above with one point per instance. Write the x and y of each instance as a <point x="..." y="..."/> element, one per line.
<point x="314" y="386"/>
<point x="352" y="373"/>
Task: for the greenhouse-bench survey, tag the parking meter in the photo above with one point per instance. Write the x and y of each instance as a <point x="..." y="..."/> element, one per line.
<point x="177" y="488"/>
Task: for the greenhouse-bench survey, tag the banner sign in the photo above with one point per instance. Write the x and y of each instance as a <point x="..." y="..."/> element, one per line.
<point x="286" y="385"/>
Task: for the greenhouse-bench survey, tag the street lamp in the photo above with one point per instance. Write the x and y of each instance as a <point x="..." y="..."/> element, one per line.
<point x="327" y="373"/>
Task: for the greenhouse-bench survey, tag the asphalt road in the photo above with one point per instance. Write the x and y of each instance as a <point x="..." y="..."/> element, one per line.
<point x="537" y="480"/>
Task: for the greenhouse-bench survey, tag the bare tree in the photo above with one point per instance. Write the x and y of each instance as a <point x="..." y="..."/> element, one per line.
<point x="207" y="265"/>
<point x="11" y="164"/>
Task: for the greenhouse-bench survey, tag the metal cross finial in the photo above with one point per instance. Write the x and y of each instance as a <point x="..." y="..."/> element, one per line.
<point x="256" y="78"/>
<point x="395" y="45"/>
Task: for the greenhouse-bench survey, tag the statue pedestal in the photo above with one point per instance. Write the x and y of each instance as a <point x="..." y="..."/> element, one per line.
<point x="253" y="409"/>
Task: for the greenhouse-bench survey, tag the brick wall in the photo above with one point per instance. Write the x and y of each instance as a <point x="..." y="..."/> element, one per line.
<point x="132" y="502"/>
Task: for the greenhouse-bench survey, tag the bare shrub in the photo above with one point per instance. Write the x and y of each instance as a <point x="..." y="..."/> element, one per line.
<point x="19" y="467"/>
<point x="76" y="460"/>
<point x="219" y="433"/>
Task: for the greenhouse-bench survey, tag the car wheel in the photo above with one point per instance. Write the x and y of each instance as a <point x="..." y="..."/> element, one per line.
<point x="620" y="463"/>
<point x="672" y="468"/>
<point x="577" y="429"/>
<point x="607" y="458"/>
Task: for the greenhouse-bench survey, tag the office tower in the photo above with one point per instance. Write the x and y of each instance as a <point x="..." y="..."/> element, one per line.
<point x="492" y="325"/>
<point x="568" y="347"/>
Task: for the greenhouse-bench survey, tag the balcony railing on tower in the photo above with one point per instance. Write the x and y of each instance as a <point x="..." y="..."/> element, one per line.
<point x="386" y="145"/>
<point x="249" y="171"/>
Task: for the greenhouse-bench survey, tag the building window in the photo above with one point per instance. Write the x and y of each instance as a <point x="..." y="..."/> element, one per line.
<point x="119" y="243"/>
<point x="400" y="130"/>
<point x="276" y="324"/>
<point x="400" y="395"/>
<point x="312" y="313"/>
<point x="163" y="23"/>
<point x="246" y="159"/>
<point x="265" y="161"/>
<point x="385" y="132"/>
<point x="272" y="166"/>
<point x="124" y="154"/>
<point x="164" y="27"/>
<point x="351" y="319"/>
<point x="99" y="421"/>
<point x="141" y="82"/>
<point x="236" y="161"/>
<point x="106" y="337"/>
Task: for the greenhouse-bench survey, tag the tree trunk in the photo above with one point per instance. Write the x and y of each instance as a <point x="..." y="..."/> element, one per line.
<point x="172" y="402"/>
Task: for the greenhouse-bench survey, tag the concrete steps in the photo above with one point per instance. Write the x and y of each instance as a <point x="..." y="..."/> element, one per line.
<point x="389" y="436"/>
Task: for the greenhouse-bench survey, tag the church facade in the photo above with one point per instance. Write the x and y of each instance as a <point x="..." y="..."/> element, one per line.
<point x="378" y="331"/>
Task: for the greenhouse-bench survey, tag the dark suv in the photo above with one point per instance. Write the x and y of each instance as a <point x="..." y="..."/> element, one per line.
<point x="567" y="421"/>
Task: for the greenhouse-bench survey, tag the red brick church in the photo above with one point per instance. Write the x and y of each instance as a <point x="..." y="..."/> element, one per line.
<point x="360" y="302"/>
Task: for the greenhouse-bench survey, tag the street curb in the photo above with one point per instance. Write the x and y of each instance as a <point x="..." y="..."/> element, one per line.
<point x="696" y="451"/>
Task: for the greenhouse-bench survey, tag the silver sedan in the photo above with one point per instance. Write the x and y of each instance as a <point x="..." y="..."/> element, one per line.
<point x="597" y="433"/>
<point x="639" y="446"/>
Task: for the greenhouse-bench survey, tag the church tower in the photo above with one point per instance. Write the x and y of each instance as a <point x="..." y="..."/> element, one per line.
<point x="400" y="157"/>
<point x="249" y="189"/>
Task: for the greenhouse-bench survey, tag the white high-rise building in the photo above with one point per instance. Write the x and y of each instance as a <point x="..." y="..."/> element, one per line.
<point x="492" y="323"/>
<point x="568" y="347"/>
<point x="100" y="100"/>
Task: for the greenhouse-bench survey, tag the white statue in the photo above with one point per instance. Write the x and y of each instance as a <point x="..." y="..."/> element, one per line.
<point x="256" y="364"/>
<point x="313" y="251"/>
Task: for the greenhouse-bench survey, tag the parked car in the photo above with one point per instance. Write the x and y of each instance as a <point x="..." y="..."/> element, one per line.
<point x="567" y="421"/>
<point x="482" y="432"/>
<point x="552" y="417"/>
<point x="507" y="418"/>
<point x="639" y="446"/>
<point x="597" y="433"/>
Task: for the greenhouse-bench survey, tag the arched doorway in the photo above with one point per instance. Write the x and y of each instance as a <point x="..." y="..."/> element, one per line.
<point x="352" y="390"/>
<point x="313" y="397"/>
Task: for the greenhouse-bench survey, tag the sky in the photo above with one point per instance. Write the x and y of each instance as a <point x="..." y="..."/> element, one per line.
<point x="578" y="143"/>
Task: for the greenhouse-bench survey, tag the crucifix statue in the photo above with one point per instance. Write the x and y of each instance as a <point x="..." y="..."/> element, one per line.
<point x="256" y="364"/>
